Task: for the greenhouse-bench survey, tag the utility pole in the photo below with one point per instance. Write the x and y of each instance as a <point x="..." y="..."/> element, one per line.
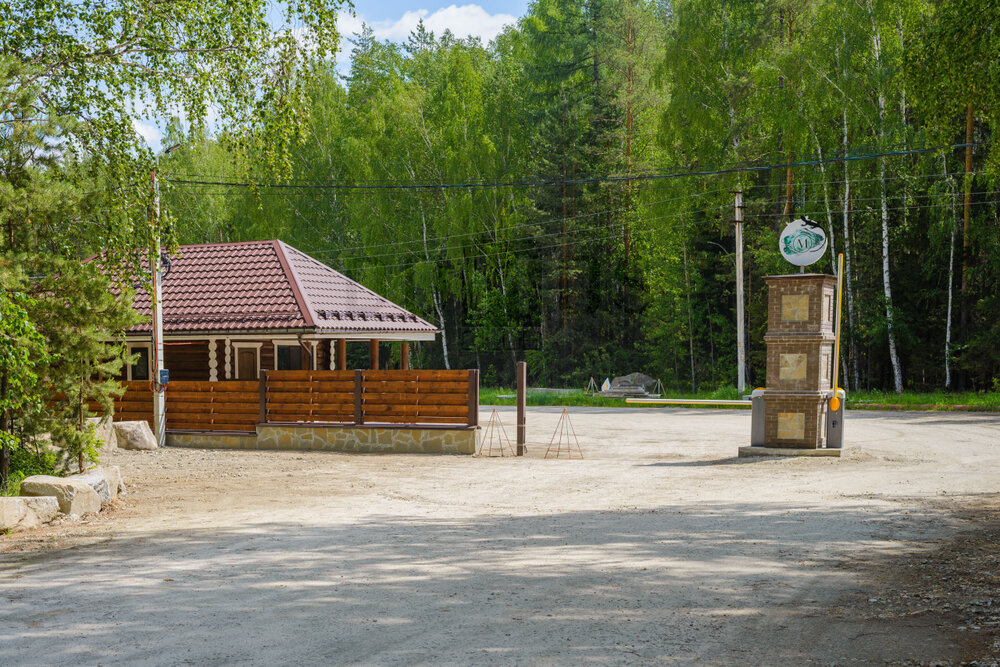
<point x="156" y="302"/>
<point x="740" y="336"/>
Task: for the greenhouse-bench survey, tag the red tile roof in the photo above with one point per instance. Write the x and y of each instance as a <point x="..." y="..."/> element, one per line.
<point x="267" y="285"/>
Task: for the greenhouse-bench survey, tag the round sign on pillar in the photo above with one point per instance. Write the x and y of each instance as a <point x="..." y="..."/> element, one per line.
<point x="802" y="242"/>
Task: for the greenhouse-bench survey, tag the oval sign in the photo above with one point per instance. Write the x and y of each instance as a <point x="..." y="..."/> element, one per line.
<point x="802" y="242"/>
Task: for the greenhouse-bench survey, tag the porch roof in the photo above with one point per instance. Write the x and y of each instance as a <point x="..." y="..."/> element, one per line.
<point x="268" y="285"/>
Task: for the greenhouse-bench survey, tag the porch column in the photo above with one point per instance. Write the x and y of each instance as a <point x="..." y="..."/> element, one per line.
<point x="373" y="351"/>
<point x="213" y="360"/>
<point x="404" y="356"/>
<point x="341" y="354"/>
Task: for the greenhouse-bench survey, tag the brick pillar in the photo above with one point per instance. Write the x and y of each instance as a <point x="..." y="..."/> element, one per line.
<point x="799" y="359"/>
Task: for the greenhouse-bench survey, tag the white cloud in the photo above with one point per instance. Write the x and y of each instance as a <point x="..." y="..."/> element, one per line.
<point x="149" y="133"/>
<point x="464" y="21"/>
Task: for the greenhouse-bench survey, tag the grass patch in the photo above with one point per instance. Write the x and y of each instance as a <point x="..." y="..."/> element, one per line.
<point x="859" y="400"/>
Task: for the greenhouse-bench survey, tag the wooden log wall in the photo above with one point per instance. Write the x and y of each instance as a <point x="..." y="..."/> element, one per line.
<point x="227" y="405"/>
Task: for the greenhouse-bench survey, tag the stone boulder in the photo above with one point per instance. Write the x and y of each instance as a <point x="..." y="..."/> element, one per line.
<point x="115" y="482"/>
<point x="104" y="428"/>
<point x="74" y="495"/>
<point x="96" y="480"/>
<point x="12" y="512"/>
<point x="45" y="508"/>
<point x="25" y="513"/>
<point x="135" y="435"/>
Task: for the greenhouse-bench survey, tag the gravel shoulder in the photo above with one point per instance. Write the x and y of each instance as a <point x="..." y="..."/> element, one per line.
<point x="658" y="547"/>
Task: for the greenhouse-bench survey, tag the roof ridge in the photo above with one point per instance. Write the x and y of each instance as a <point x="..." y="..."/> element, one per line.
<point x="293" y="281"/>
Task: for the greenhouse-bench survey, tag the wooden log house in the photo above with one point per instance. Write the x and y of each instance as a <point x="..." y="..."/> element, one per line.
<point x="232" y="310"/>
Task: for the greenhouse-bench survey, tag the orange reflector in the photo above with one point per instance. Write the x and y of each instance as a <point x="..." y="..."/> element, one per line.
<point x="834" y="403"/>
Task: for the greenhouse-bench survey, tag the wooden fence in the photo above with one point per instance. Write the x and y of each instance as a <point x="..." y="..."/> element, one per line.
<point x="136" y="404"/>
<point x="338" y="397"/>
<point x="229" y="405"/>
<point x="372" y="397"/>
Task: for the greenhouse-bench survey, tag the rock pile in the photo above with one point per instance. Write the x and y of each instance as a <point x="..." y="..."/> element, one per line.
<point x="44" y="497"/>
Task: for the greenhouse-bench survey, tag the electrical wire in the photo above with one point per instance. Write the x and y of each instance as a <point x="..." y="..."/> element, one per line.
<point x="738" y="168"/>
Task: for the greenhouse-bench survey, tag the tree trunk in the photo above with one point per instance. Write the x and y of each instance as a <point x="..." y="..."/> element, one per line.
<point x="855" y="378"/>
<point x="687" y="289"/>
<point x="4" y="428"/>
<point x="951" y="278"/>
<point x="897" y="375"/>
<point x="966" y="215"/>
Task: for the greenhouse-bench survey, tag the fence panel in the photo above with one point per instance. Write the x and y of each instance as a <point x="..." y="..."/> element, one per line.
<point x="227" y="405"/>
<point x="136" y="404"/>
<point x="310" y="396"/>
<point x="420" y="397"/>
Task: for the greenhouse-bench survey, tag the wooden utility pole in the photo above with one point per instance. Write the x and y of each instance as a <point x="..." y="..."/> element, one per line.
<point x="740" y="334"/>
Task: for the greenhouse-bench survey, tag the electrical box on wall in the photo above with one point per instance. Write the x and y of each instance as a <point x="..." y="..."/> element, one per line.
<point x="164" y="377"/>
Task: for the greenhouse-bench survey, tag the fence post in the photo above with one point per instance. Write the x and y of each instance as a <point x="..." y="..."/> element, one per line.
<point x="359" y="416"/>
<point x="522" y="390"/>
<point x="263" y="397"/>
<point x="473" y="397"/>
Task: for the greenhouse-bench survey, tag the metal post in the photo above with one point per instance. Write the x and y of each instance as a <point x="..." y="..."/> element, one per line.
<point x="522" y="384"/>
<point x="740" y="335"/>
<point x="473" y="397"/>
<point x="156" y="301"/>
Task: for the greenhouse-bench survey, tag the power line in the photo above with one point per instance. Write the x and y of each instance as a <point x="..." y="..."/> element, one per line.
<point x="734" y="169"/>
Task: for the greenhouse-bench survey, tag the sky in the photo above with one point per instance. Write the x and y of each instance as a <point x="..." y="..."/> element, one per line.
<point x="394" y="20"/>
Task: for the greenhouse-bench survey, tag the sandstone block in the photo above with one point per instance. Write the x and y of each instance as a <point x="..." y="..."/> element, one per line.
<point x="12" y="512"/>
<point x="96" y="480"/>
<point x="74" y="495"/>
<point x="105" y="430"/>
<point x="135" y="435"/>
<point x="45" y="507"/>
<point x="115" y="482"/>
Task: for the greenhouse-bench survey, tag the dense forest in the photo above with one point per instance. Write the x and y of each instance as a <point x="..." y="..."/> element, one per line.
<point x="564" y="194"/>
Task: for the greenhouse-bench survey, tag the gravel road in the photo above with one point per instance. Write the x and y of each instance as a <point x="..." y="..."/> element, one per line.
<point x="659" y="547"/>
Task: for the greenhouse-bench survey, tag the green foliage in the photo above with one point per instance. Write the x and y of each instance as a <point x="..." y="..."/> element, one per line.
<point x="76" y="311"/>
<point x="587" y="278"/>
<point x="22" y="352"/>
<point x="100" y="64"/>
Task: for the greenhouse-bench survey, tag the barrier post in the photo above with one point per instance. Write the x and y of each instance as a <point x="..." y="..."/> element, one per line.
<point x="473" y="397"/>
<point x="359" y="416"/>
<point x="522" y="385"/>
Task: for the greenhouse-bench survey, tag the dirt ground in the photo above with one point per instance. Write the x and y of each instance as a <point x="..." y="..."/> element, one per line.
<point x="659" y="547"/>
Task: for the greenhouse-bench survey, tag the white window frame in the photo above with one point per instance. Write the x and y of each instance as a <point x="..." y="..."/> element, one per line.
<point x="237" y="345"/>
<point x="149" y="358"/>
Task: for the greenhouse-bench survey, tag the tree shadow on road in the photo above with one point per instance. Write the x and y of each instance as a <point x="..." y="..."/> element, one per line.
<point x="672" y="584"/>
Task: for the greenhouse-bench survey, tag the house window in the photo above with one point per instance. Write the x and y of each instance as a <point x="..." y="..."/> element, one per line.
<point x="288" y="357"/>
<point x="140" y="369"/>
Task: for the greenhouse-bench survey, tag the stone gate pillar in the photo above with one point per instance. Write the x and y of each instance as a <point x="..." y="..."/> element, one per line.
<point x="799" y="342"/>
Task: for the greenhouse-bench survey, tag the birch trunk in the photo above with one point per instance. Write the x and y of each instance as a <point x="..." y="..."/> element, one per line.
<point x="435" y="295"/>
<point x="897" y="375"/>
<point x="855" y="376"/>
<point x="951" y="277"/>
<point x="687" y="289"/>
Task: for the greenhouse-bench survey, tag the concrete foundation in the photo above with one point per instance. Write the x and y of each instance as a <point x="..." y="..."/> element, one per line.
<point x="747" y="452"/>
<point x="337" y="438"/>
